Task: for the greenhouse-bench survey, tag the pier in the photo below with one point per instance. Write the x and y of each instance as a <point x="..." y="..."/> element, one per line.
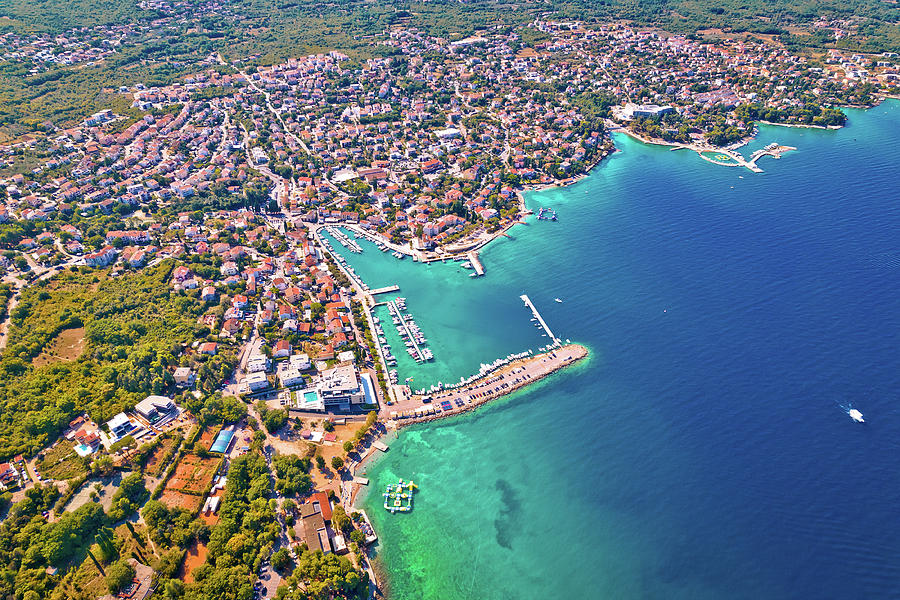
<point x="385" y="290"/>
<point x="476" y="264"/>
<point x="540" y="319"/>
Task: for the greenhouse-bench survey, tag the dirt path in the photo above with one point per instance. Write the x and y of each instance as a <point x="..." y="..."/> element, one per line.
<point x="4" y="326"/>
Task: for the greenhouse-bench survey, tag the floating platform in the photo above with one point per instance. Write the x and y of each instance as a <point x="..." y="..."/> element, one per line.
<point x="398" y="496"/>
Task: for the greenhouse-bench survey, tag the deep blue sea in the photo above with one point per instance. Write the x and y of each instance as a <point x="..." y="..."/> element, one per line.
<point x="702" y="451"/>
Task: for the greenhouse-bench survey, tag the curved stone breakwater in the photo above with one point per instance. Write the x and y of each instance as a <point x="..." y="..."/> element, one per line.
<point x="507" y="379"/>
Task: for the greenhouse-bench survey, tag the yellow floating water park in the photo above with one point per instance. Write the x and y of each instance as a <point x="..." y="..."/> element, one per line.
<point x="398" y="496"/>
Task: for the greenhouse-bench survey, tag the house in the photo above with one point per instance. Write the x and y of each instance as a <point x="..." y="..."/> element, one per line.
<point x="101" y="258"/>
<point x="155" y="408"/>
<point x="289" y="376"/>
<point x="88" y="442"/>
<point x="208" y="294"/>
<point x="8" y="473"/>
<point x="282" y="349"/>
<point x="181" y="274"/>
<point x="119" y="426"/>
<point x="184" y="377"/>
<point x="300" y="362"/>
<point x="313" y="523"/>
<point x="208" y="348"/>
<point x="257" y="363"/>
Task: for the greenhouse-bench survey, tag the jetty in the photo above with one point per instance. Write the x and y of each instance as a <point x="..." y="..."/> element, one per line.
<point x="409" y="331"/>
<point x="774" y="150"/>
<point x="539" y="318"/>
<point x="385" y="290"/>
<point x="476" y="263"/>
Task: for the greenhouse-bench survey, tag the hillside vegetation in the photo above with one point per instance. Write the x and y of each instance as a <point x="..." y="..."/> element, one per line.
<point x="135" y="328"/>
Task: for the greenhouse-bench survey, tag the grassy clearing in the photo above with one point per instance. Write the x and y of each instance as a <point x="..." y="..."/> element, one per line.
<point x="61" y="462"/>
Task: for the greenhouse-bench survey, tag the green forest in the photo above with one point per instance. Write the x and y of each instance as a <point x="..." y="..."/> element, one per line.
<point x="133" y="330"/>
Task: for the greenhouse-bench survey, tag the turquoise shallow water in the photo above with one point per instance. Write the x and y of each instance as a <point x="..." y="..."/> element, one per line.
<point x="701" y="451"/>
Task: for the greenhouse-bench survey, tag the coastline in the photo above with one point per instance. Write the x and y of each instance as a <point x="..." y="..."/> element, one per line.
<point x="491" y="385"/>
<point x="531" y="369"/>
<point x="502" y="381"/>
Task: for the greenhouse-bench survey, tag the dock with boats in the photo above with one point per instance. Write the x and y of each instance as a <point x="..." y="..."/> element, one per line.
<point x="344" y="239"/>
<point x="546" y="214"/>
<point x="409" y="331"/>
<point x="476" y="263"/>
<point x="538" y="318"/>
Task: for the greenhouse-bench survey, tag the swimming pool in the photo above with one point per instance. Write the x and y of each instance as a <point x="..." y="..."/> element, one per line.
<point x="222" y="441"/>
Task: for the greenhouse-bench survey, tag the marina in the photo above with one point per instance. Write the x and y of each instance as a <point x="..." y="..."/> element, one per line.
<point x="381" y="341"/>
<point x="409" y="332"/>
<point x="344" y="240"/>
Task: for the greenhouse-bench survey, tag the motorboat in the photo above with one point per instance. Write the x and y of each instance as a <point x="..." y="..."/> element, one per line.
<point x="856" y="415"/>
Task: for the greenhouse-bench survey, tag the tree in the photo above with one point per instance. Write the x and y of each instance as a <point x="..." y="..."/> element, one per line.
<point x="281" y="559"/>
<point x="119" y="575"/>
<point x="173" y="589"/>
<point x="348" y="446"/>
<point x="103" y="466"/>
<point x="340" y="519"/>
<point x="128" y="497"/>
<point x="320" y="462"/>
<point x="292" y="474"/>
<point x="337" y="463"/>
<point x="357" y="536"/>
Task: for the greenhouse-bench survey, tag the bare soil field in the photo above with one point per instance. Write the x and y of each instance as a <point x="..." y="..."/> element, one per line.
<point x="65" y="347"/>
<point x="154" y="465"/>
<point x="207" y="437"/>
<point x="193" y="558"/>
<point x="176" y="499"/>
<point x="194" y="474"/>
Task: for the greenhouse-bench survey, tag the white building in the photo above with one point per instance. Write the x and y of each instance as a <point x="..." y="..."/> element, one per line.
<point x="184" y="377"/>
<point x="257" y="363"/>
<point x="300" y="362"/>
<point x="257" y="381"/>
<point x="120" y="426"/>
<point x="340" y="387"/>
<point x="290" y="376"/>
<point x="155" y="408"/>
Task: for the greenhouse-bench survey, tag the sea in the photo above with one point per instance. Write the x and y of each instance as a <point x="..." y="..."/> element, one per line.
<point x="703" y="450"/>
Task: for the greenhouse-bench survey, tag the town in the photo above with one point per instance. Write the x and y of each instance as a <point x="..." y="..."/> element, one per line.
<point x="207" y="206"/>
